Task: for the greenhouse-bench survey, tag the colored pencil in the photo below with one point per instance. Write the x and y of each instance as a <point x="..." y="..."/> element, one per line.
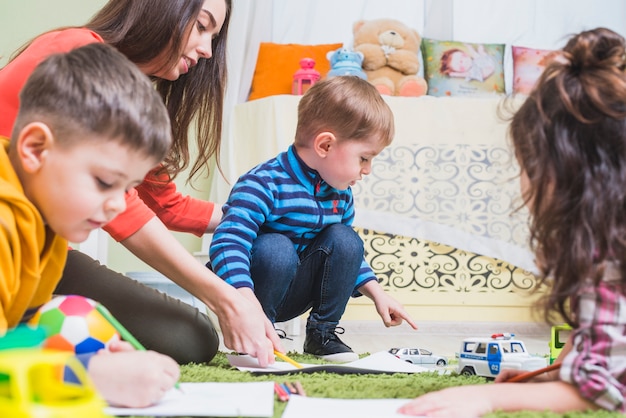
<point x="124" y="333"/>
<point x="291" y="387"/>
<point x="529" y="375"/>
<point x="126" y="336"/>
<point x="280" y="392"/>
<point x="299" y="388"/>
<point x="287" y="359"/>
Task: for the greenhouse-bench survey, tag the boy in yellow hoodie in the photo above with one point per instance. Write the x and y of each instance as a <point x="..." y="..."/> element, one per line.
<point x="89" y="128"/>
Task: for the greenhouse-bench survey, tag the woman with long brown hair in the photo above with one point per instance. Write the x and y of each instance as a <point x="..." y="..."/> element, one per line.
<point x="181" y="45"/>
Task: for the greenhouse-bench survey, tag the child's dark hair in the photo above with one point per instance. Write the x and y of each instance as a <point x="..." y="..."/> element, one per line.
<point x="348" y="106"/>
<point x="569" y="138"/>
<point x="95" y="93"/>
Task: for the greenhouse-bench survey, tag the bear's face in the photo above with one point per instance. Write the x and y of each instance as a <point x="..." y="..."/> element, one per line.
<point x="345" y="57"/>
<point x="391" y="38"/>
<point x="388" y="33"/>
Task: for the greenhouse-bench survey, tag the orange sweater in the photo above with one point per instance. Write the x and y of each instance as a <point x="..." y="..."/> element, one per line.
<point x="32" y="257"/>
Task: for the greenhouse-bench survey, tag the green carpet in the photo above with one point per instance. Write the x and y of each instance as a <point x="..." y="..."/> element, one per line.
<point x="330" y="385"/>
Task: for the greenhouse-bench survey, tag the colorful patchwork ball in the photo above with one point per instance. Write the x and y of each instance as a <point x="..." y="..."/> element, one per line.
<point x="73" y="323"/>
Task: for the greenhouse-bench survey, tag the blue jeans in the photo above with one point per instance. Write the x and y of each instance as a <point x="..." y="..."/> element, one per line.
<point x="322" y="277"/>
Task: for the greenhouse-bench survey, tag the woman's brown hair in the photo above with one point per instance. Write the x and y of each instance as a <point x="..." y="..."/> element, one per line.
<point x="142" y="30"/>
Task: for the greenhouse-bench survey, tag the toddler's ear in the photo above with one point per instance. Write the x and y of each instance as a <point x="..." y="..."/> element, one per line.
<point x="33" y="142"/>
<point x="323" y="142"/>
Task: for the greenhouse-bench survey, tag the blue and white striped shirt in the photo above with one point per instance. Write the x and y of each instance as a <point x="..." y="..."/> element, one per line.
<point x="285" y="196"/>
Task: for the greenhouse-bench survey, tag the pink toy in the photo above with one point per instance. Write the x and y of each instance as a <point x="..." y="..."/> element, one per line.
<point x="305" y="77"/>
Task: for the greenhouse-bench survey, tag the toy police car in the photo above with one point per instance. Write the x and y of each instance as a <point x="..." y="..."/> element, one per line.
<point x="487" y="356"/>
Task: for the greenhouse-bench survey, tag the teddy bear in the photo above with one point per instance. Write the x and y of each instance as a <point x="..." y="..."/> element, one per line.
<point x="390" y="56"/>
<point x="344" y="61"/>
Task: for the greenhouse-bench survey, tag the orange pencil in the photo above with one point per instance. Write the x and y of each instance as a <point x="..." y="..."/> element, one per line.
<point x="299" y="388"/>
<point x="529" y="375"/>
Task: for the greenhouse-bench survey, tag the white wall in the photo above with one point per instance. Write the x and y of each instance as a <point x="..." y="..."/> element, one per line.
<point x="543" y="24"/>
<point x="21" y="20"/>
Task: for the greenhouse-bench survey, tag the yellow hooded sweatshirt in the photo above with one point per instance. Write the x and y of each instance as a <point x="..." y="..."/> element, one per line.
<point x="32" y="257"/>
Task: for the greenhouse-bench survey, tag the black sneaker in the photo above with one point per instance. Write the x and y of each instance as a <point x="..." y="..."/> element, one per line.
<point x="326" y="344"/>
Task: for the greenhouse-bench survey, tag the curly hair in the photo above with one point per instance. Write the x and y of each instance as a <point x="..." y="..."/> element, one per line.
<point x="569" y="138"/>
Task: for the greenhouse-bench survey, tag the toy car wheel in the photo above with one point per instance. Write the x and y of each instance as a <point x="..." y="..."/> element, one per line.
<point x="441" y="362"/>
<point x="468" y="371"/>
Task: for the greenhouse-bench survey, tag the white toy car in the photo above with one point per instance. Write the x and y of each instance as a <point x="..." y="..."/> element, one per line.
<point x="418" y="356"/>
<point x="487" y="356"/>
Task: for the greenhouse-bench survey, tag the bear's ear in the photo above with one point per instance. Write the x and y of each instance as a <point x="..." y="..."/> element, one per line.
<point x="417" y="35"/>
<point x="357" y="25"/>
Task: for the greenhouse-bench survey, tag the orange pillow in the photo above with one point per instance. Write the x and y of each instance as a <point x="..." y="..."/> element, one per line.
<point x="277" y="63"/>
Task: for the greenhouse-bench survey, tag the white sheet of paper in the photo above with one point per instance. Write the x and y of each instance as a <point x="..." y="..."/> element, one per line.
<point x="308" y="407"/>
<point x="381" y="361"/>
<point x="250" y="399"/>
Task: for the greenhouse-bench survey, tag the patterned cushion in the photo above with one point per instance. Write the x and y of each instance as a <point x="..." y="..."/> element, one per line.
<point x="463" y="69"/>
<point x="528" y="64"/>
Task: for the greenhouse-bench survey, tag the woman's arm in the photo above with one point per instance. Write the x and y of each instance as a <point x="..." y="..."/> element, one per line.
<point x="216" y="217"/>
<point x="242" y="323"/>
<point x="177" y="211"/>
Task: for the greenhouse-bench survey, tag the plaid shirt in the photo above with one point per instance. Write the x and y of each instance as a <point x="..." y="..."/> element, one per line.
<point x="597" y="363"/>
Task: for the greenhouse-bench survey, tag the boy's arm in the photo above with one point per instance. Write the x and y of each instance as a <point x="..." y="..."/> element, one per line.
<point x="247" y="209"/>
<point x="6" y="268"/>
<point x="390" y="310"/>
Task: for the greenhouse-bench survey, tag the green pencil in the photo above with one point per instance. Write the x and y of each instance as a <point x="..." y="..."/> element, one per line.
<point x="124" y="333"/>
<point x="127" y="336"/>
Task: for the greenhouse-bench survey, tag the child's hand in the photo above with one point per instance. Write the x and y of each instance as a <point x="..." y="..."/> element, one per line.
<point x="116" y="346"/>
<point x="506" y="374"/>
<point x="462" y="401"/>
<point x="390" y="310"/>
<point x="131" y="378"/>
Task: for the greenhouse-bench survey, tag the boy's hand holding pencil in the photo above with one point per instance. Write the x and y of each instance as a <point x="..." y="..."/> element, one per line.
<point x="124" y="333"/>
